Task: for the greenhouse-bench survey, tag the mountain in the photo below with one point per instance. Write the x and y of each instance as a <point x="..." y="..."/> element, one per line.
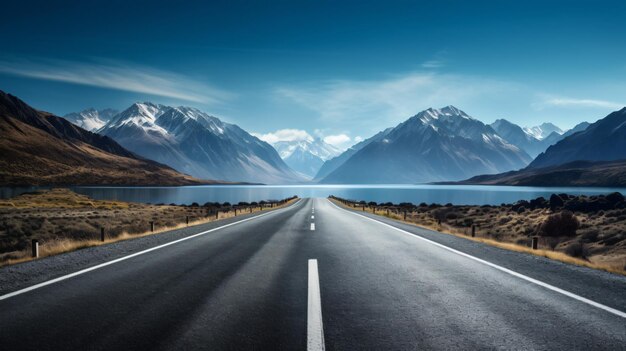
<point x="529" y="141"/>
<point x="577" y="128"/>
<point x="198" y="144"/>
<point x="305" y="156"/>
<point x="332" y="164"/>
<point x="577" y="173"/>
<point x="38" y="148"/>
<point x="434" y="145"/>
<point x="604" y="140"/>
<point x="91" y="119"/>
<point x="517" y="136"/>
<point x="542" y="131"/>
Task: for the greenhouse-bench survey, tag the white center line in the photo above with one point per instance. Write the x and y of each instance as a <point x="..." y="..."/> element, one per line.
<point x="312" y="217"/>
<point x="312" y="226"/>
<point x="315" y="327"/>
<point x="500" y="268"/>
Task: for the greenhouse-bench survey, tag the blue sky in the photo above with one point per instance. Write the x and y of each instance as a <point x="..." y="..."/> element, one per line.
<point x="345" y="69"/>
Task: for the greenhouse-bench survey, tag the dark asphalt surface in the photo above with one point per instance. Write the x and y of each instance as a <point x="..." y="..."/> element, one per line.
<point x="244" y="287"/>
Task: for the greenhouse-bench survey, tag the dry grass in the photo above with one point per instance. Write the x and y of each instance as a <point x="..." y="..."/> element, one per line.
<point x="64" y="221"/>
<point x="510" y="230"/>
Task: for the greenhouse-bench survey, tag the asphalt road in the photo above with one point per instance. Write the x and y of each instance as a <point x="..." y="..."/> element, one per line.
<point x="314" y="275"/>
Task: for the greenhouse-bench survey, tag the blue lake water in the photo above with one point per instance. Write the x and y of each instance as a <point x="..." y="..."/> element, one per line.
<point x="456" y="194"/>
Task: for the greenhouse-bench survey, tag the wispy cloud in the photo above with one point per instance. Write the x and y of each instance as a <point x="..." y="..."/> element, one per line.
<point x="433" y="64"/>
<point x="395" y="98"/>
<point x="118" y="76"/>
<point x="576" y="103"/>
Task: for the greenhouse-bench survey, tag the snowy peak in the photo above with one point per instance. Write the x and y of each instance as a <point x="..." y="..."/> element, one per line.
<point x="315" y="146"/>
<point x="306" y="155"/>
<point x="91" y="119"/>
<point x="542" y="131"/>
<point x="448" y="121"/>
<point x="198" y="144"/>
<point x="140" y="116"/>
<point x="434" y="145"/>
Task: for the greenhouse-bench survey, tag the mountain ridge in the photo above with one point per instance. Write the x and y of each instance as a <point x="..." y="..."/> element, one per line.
<point x="435" y="144"/>
<point x="196" y="143"/>
<point x="39" y="148"/>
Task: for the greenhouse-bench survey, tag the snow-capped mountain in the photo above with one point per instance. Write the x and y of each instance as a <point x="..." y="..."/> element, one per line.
<point x="306" y="156"/>
<point x="434" y="145"/>
<point x="604" y="140"/>
<point x="543" y="131"/>
<point x="529" y="142"/>
<point x="91" y="119"/>
<point x="198" y="144"/>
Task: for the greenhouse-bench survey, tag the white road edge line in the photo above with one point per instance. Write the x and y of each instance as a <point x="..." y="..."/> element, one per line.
<point x="500" y="268"/>
<point x="312" y="226"/>
<point x="314" y="327"/>
<point x="86" y="270"/>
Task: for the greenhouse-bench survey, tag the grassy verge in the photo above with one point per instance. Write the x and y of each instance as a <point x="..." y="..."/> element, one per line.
<point x="614" y="266"/>
<point x="64" y="221"/>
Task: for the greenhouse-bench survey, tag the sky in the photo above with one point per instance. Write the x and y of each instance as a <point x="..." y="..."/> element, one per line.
<point x="339" y="70"/>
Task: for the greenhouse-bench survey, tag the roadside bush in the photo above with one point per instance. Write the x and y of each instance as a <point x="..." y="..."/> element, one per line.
<point x="576" y="249"/>
<point x="560" y="224"/>
<point x="555" y="202"/>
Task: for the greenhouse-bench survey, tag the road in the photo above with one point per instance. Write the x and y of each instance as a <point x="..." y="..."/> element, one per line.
<point x="316" y="276"/>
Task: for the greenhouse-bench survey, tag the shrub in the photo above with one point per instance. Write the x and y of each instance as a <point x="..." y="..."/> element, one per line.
<point x="555" y="202"/>
<point x="576" y="249"/>
<point x="560" y="224"/>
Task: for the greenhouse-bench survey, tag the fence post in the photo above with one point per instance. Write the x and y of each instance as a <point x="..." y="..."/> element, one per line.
<point x="405" y="215"/>
<point x="535" y="242"/>
<point x="473" y="230"/>
<point x="35" y="248"/>
<point x="187" y="219"/>
<point x="235" y="212"/>
<point x="102" y="234"/>
<point x="152" y="226"/>
<point x="217" y="214"/>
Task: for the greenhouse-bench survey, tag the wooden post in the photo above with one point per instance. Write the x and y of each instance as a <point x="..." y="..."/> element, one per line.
<point x="387" y="212"/>
<point x="152" y="226"/>
<point x="102" y="234"/>
<point x="405" y="215"/>
<point x="535" y="242"/>
<point x="35" y="248"/>
<point x="235" y="212"/>
<point x="473" y="230"/>
<point x="187" y="219"/>
<point x="217" y="214"/>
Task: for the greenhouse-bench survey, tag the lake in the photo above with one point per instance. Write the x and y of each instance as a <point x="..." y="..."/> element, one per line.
<point x="456" y="194"/>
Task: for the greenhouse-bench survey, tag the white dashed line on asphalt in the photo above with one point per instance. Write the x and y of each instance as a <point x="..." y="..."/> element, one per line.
<point x="315" y="327"/>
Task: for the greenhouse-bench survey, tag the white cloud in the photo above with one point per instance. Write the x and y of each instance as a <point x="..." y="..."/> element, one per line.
<point x="118" y="76"/>
<point x="340" y="141"/>
<point x="569" y="102"/>
<point x="284" y="135"/>
<point x="358" y="139"/>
